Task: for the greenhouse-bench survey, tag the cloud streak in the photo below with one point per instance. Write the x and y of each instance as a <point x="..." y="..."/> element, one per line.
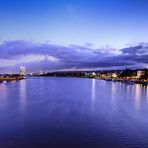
<point x="46" y="56"/>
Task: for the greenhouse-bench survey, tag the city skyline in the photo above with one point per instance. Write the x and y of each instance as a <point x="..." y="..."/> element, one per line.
<point x="71" y="35"/>
<point x="73" y="73"/>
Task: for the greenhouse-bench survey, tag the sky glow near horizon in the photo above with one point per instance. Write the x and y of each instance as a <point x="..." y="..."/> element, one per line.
<point x="73" y="34"/>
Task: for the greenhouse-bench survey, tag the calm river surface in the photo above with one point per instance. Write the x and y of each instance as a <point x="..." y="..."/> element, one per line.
<point x="72" y="113"/>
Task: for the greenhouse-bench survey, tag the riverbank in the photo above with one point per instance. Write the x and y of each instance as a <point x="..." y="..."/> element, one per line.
<point x="9" y="78"/>
<point x="127" y="81"/>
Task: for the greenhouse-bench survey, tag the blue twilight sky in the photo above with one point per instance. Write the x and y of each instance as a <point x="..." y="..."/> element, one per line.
<point x="73" y="34"/>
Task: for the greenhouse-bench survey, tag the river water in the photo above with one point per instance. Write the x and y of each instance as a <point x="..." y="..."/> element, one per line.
<point x="73" y="113"/>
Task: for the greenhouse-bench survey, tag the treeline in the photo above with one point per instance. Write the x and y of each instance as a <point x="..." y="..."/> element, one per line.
<point x="64" y="74"/>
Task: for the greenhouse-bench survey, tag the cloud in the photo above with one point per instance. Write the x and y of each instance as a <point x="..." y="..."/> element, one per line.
<point x="136" y="50"/>
<point x="138" y="54"/>
<point x="31" y="58"/>
<point x="47" y="56"/>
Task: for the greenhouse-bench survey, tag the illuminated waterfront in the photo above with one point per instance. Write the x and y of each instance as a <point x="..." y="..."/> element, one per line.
<point x="73" y="112"/>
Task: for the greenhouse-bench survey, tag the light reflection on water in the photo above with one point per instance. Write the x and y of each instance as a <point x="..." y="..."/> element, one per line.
<point x="93" y="90"/>
<point x="137" y="96"/>
<point x="22" y="94"/>
<point x="93" y="94"/>
<point x="78" y="112"/>
<point x="113" y="96"/>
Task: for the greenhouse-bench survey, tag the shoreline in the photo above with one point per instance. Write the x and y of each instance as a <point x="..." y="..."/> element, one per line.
<point x="10" y="79"/>
<point x="122" y="80"/>
<point x="126" y="81"/>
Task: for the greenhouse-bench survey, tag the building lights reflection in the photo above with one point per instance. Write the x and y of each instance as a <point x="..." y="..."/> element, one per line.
<point x="137" y="96"/>
<point x="3" y="87"/>
<point x="93" y="95"/>
<point x="93" y="90"/>
<point x="113" y="92"/>
<point x="22" y="94"/>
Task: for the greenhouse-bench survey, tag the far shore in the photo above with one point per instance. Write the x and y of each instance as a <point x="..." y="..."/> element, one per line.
<point x="9" y="78"/>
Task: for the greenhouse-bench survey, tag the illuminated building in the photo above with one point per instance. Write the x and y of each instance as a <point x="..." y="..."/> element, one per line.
<point x="114" y="75"/>
<point x="140" y="73"/>
<point x="93" y="73"/>
<point x="22" y="70"/>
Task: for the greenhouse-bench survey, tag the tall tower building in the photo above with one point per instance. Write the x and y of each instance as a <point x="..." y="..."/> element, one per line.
<point x="22" y="70"/>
